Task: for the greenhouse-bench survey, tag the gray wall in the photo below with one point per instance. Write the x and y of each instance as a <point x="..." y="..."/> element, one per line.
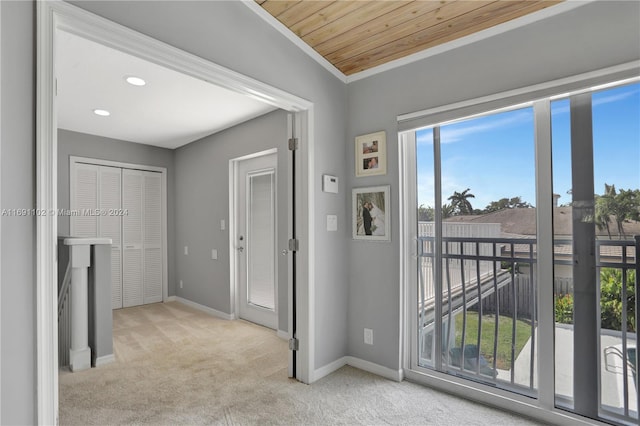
<point x="18" y="311"/>
<point x="588" y="38"/>
<point x="91" y="146"/>
<point x="229" y="34"/>
<point x="202" y="201"/>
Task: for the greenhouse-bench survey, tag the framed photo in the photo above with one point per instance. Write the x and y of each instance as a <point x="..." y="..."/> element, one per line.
<point x="371" y="154"/>
<point x="370" y="210"/>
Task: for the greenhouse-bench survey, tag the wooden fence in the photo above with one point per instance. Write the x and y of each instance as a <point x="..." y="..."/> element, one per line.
<point x="519" y="298"/>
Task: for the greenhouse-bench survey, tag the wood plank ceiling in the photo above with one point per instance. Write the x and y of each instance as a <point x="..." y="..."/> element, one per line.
<point x="355" y="35"/>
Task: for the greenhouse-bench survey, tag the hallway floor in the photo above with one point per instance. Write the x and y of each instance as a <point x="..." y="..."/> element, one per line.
<point x="176" y="365"/>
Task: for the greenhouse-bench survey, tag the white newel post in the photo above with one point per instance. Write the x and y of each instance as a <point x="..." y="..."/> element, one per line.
<point x="80" y="354"/>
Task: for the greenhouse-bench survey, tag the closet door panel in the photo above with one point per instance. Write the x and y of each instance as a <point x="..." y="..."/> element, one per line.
<point x="131" y="278"/>
<point x="110" y="225"/>
<point x="152" y="275"/>
<point x="84" y="201"/>
<point x="152" y="237"/>
<point x="152" y="209"/>
<point x="116" y="278"/>
<point x="109" y="203"/>
<point x="132" y="238"/>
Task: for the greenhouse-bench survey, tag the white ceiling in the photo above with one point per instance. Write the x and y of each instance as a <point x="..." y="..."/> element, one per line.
<point x="171" y="110"/>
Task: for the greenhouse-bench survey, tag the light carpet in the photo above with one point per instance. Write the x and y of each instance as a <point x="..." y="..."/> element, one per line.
<point x="176" y="365"/>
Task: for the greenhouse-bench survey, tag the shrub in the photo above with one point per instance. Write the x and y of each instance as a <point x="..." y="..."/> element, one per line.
<point x="611" y="299"/>
<point x="564" y="308"/>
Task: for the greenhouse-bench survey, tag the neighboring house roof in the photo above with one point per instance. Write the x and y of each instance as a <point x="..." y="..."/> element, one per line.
<point x="522" y="221"/>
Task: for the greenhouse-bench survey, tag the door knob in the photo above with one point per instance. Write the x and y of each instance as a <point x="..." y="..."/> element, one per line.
<point x="240" y="249"/>
<point x="284" y="252"/>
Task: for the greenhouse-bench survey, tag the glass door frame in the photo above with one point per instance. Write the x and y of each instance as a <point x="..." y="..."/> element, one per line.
<point x="544" y="406"/>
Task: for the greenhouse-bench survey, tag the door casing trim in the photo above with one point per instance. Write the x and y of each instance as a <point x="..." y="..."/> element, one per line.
<point x="53" y="16"/>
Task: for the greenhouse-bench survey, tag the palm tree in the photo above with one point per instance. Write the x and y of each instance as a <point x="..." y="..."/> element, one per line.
<point x="626" y="208"/>
<point x="460" y="201"/>
<point x="603" y="213"/>
<point x="447" y="210"/>
<point x="619" y="206"/>
<point x="605" y="207"/>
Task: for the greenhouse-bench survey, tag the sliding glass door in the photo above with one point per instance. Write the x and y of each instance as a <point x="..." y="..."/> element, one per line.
<point x="475" y="275"/>
<point x="596" y="168"/>
<point x="527" y="210"/>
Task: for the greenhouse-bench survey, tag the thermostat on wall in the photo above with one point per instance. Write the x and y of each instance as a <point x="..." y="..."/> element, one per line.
<point x="330" y="184"/>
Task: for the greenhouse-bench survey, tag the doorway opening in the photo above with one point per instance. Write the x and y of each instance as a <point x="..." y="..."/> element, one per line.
<point x="55" y="16"/>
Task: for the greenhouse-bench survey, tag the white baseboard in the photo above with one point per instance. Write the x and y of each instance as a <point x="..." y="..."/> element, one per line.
<point x="210" y="311"/>
<point x="283" y="334"/>
<point x="360" y="364"/>
<point x="329" y="368"/>
<point x="395" y="375"/>
<point x="104" y="360"/>
<point x="171" y="299"/>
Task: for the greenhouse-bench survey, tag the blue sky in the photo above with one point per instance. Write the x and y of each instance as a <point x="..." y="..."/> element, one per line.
<point x="494" y="155"/>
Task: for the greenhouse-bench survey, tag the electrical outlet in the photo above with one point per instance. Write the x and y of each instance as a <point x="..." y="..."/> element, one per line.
<point x="181" y="284"/>
<point x="368" y="336"/>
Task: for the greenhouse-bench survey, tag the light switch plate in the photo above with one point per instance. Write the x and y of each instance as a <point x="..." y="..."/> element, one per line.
<point x="332" y="222"/>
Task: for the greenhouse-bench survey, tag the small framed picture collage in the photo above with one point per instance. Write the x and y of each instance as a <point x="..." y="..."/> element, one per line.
<point x="371" y="154"/>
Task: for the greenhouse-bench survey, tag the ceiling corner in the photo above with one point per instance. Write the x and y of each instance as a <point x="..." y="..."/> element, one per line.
<point x="282" y="29"/>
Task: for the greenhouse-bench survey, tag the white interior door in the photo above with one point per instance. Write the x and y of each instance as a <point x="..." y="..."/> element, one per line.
<point x="256" y="240"/>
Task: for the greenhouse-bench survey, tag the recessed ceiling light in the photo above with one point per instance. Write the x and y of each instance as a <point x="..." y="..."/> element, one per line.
<point x="101" y="112"/>
<point x="135" y="81"/>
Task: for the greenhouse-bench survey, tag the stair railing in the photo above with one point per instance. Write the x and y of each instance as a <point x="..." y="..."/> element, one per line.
<point x="64" y="319"/>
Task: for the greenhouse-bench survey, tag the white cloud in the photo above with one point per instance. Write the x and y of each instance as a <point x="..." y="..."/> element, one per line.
<point x="424" y="137"/>
<point x="614" y="97"/>
<point x="458" y="131"/>
<point x="564" y="109"/>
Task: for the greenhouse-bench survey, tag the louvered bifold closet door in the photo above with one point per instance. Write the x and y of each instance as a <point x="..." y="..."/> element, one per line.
<point x="110" y="225"/>
<point x="152" y="225"/>
<point x="84" y="201"/>
<point x="132" y="238"/>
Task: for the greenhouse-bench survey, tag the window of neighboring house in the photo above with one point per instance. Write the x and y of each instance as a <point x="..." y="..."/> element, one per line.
<point x="479" y="293"/>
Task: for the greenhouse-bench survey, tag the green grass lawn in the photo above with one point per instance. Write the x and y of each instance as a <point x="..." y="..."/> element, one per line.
<point x="503" y="362"/>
